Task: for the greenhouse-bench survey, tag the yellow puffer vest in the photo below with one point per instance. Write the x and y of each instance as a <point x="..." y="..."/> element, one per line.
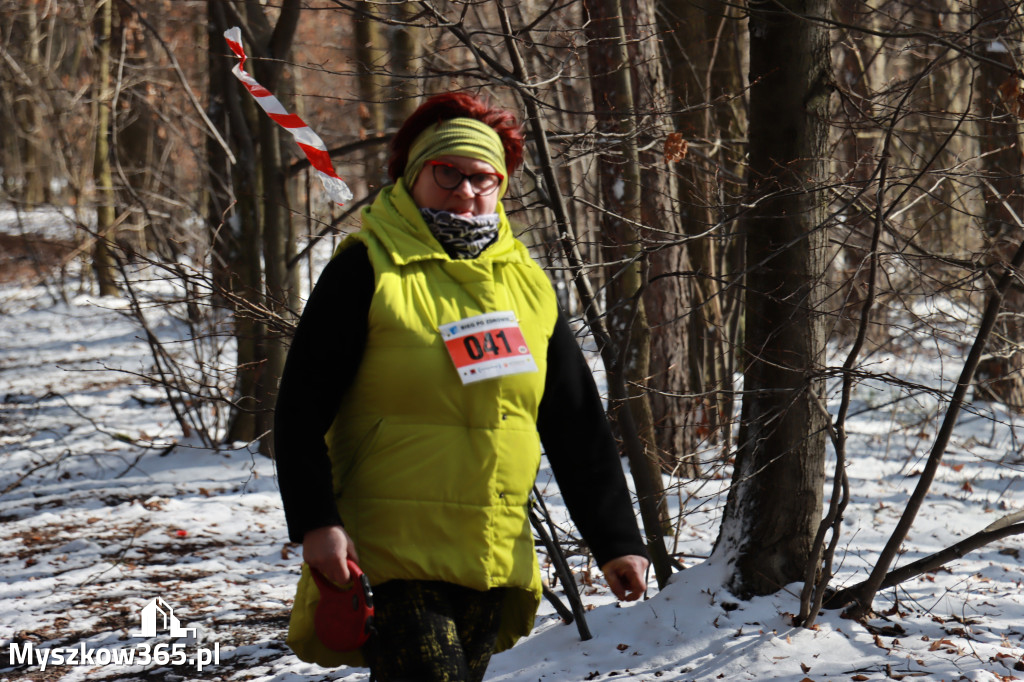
<point x="433" y="477"/>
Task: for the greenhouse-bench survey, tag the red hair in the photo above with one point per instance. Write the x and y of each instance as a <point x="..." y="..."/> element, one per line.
<point x="451" y="105"/>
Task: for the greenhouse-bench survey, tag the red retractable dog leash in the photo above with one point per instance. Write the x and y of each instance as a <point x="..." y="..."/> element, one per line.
<point x="344" y="616"/>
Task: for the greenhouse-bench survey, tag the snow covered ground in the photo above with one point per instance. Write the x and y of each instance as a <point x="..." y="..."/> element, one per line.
<point x="106" y="507"/>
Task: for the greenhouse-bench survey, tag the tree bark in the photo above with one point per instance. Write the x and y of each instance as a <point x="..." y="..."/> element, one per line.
<point x="103" y="264"/>
<point x="239" y="272"/>
<point x="647" y="482"/>
<point x="666" y="299"/>
<point x="278" y="285"/>
<point x="704" y="45"/>
<point x="774" y="506"/>
<point x="619" y="174"/>
<point x="1000" y="107"/>
<point x="371" y="55"/>
<point x="221" y="231"/>
<point x="264" y="222"/>
<point x="405" y="52"/>
<point x="37" y="176"/>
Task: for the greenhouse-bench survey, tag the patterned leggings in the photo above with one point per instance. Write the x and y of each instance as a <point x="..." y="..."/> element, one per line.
<point x="432" y="632"/>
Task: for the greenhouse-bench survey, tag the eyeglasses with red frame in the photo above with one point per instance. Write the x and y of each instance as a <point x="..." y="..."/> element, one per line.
<point x="449" y="177"/>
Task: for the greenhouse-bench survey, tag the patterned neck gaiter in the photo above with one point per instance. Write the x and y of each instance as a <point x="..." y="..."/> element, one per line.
<point x="462" y="237"/>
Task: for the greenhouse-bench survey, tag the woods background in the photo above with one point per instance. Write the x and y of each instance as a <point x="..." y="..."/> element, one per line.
<point x="718" y="190"/>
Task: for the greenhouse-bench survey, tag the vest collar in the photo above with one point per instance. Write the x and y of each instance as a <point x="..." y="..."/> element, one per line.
<point x="395" y="219"/>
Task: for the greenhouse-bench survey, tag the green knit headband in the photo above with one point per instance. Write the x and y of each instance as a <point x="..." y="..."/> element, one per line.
<point x="457" y="137"/>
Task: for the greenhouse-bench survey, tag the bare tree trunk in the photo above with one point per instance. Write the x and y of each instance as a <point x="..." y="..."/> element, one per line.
<point x="238" y="271"/>
<point x="371" y="56"/>
<point x="10" y="145"/>
<point x="247" y="282"/>
<point x="1000" y="106"/>
<point x="222" y="235"/>
<point x="103" y="263"/>
<point x="705" y="47"/>
<point x="36" y="176"/>
<point x="133" y="130"/>
<point x="264" y="280"/>
<point x="279" y="282"/>
<point x="852" y="152"/>
<point x="620" y="182"/>
<point x="648" y="482"/>
<point x="274" y="44"/>
<point x="774" y="506"/>
<point x="665" y="298"/>
<point x="405" y="52"/>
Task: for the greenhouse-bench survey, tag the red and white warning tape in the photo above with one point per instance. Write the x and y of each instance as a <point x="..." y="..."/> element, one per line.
<point x="308" y="140"/>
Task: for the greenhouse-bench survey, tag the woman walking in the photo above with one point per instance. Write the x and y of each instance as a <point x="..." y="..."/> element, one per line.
<point x="429" y="366"/>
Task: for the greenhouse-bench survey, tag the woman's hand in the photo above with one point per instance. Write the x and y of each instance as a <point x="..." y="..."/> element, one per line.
<point x="625" y="576"/>
<point x="326" y="549"/>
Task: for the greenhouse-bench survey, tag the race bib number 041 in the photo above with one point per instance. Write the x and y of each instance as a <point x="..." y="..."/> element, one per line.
<point x="487" y="346"/>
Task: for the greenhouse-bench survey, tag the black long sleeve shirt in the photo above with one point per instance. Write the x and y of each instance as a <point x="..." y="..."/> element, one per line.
<point x="321" y="366"/>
